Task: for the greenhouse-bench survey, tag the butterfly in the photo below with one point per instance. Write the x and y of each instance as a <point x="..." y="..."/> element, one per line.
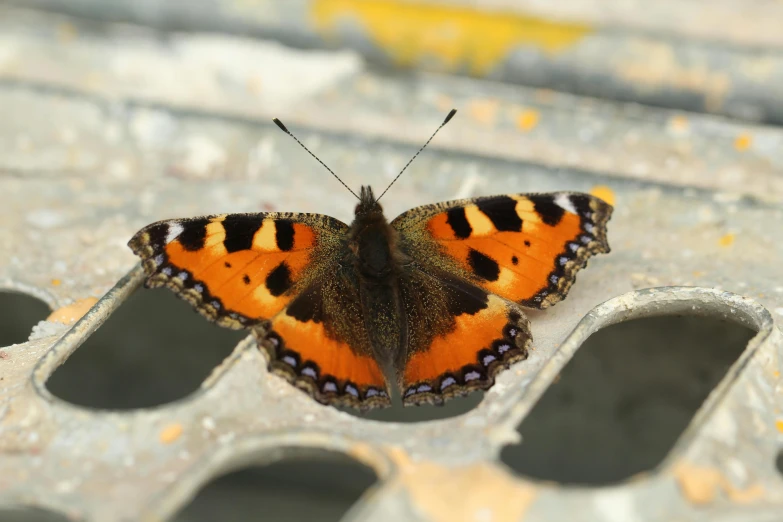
<point x="433" y="299"/>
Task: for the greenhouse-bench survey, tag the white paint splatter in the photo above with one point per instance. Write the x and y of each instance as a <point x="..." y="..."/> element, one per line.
<point x="45" y="218"/>
<point x="201" y="156"/>
<point x="616" y="506"/>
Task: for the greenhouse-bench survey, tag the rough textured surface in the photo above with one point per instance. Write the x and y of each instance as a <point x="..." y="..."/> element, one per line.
<point x="107" y="128"/>
<point x="722" y="57"/>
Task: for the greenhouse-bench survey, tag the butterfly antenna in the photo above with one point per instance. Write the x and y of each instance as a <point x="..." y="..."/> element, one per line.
<point x="285" y="129"/>
<point x="451" y="114"/>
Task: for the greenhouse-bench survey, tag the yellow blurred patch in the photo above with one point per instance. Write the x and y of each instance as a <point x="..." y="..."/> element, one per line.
<point x="679" y="124"/>
<point x="73" y="312"/>
<point x="171" y="433"/>
<point x="527" y="120"/>
<point x="484" y="111"/>
<point x="603" y="192"/>
<point x="459" y="37"/>
<point x="743" y="142"/>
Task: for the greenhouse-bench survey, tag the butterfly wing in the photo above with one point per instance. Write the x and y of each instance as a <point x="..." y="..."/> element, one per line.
<point x="321" y="344"/>
<point x="526" y="248"/>
<point x="472" y="263"/>
<point x="458" y="336"/>
<point x="274" y="272"/>
<point x="237" y="269"/>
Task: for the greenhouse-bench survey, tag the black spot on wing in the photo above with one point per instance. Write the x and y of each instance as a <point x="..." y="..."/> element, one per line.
<point x="515" y="260"/>
<point x="193" y="234"/>
<point x="307" y="307"/>
<point x="284" y="234"/>
<point x="463" y="297"/>
<point x="279" y="280"/>
<point x="545" y="206"/>
<point x="246" y="279"/>
<point x="581" y="203"/>
<point x="157" y="234"/>
<point x="502" y="211"/>
<point x="458" y="222"/>
<point x="240" y="231"/>
<point x="483" y="266"/>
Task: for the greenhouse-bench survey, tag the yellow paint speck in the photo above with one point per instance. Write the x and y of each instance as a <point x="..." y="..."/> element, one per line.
<point x="527" y="120"/>
<point x="779" y="425"/>
<point x="702" y="485"/>
<point x="469" y="493"/>
<point x="484" y="111"/>
<point x="726" y="240"/>
<point x="743" y="142"/>
<point x="73" y="312"/>
<point x="444" y="103"/>
<point x="449" y="37"/>
<point x="679" y="124"/>
<point x="698" y="484"/>
<point x="171" y="433"/>
<point x="603" y="192"/>
<point x="56" y="282"/>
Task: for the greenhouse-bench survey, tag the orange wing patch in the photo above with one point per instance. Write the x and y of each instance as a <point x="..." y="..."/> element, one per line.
<point x="526" y="248"/>
<point x="334" y="367"/>
<point x="237" y="269"/>
<point x="490" y="335"/>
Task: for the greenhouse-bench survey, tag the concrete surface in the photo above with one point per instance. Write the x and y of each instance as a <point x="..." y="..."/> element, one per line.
<point x="108" y="127"/>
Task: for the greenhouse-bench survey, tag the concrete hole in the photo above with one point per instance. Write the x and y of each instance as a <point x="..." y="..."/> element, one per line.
<point x="154" y="349"/>
<point x="779" y="462"/>
<point x="20" y="312"/>
<point x="624" y="399"/>
<point x="30" y="514"/>
<point x="304" y="488"/>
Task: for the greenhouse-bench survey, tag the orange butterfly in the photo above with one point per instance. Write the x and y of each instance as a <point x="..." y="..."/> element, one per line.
<point x="434" y="297"/>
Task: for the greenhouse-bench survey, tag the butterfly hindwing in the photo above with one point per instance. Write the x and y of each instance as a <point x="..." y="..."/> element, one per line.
<point x="321" y="344"/>
<point x="236" y="269"/>
<point x="526" y="248"/>
<point x="459" y="337"/>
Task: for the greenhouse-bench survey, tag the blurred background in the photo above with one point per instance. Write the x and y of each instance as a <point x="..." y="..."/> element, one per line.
<point x="156" y="109"/>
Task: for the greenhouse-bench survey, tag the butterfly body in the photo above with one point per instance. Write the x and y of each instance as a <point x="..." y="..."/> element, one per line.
<point x="430" y="302"/>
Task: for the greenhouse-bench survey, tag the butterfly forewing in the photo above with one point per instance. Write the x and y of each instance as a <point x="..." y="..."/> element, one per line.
<point x="524" y="247"/>
<point x="236" y="269"/>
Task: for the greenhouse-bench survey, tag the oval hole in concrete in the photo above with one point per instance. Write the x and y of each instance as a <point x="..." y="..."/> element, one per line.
<point x="20" y="312"/>
<point x="622" y="402"/>
<point x="295" y="489"/>
<point x="155" y="348"/>
<point x="30" y="514"/>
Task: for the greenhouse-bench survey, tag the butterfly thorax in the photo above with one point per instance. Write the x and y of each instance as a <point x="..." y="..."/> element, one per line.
<point x="372" y="240"/>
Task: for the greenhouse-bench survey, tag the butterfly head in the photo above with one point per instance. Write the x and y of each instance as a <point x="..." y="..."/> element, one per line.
<point x="368" y="204"/>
